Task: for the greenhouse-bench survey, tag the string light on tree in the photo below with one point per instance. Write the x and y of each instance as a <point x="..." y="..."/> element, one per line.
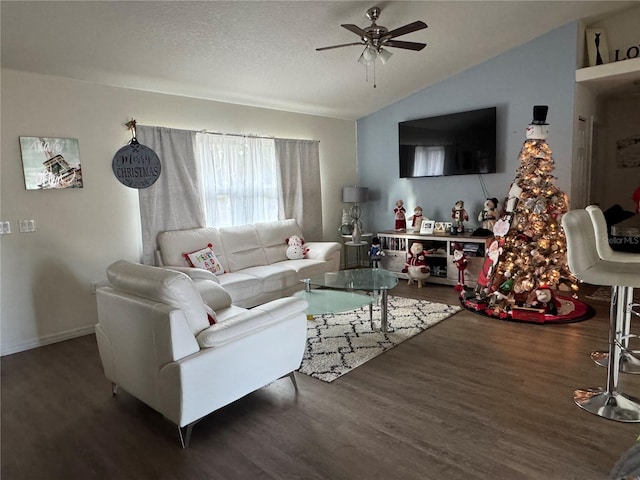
<point x="535" y="246"/>
<point x="531" y="245"/>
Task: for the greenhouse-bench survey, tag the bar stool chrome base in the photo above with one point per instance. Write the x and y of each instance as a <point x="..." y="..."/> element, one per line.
<point x="629" y="363"/>
<point x="611" y="405"/>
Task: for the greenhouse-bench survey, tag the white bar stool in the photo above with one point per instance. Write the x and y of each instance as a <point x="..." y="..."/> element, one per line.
<point x="587" y="266"/>
<point x="630" y="359"/>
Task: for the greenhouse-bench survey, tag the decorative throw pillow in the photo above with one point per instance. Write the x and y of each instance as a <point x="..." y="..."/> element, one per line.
<point x="211" y="315"/>
<point x="205" y="259"/>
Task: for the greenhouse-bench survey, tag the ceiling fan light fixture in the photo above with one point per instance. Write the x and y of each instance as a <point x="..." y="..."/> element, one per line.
<point x="375" y="36"/>
<point x="384" y="55"/>
<point x="368" y="55"/>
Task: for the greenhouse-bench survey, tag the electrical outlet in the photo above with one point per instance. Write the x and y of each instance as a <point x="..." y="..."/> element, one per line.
<point x="5" y="228"/>
<point x="27" y="226"/>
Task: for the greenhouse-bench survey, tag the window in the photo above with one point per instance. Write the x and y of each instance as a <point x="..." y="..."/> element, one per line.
<point x="239" y="179"/>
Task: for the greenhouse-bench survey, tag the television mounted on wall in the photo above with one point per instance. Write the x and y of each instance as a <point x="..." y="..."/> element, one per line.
<point x="462" y="143"/>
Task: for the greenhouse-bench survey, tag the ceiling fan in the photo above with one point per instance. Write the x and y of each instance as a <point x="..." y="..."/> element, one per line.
<point x="375" y="37"/>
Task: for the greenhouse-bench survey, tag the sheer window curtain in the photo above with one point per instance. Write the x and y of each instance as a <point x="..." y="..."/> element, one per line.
<point x="174" y="202"/>
<point x="239" y="179"/>
<point x="299" y="184"/>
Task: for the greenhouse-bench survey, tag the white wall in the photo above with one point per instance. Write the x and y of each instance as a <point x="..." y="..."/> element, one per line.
<point x="45" y="276"/>
<point x="622" y="120"/>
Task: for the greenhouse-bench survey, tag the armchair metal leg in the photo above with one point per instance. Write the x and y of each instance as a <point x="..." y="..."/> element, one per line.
<point x="292" y="376"/>
<point x="185" y="434"/>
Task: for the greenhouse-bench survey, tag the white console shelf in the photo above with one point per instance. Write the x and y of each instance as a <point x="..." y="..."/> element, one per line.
<point x="396" y="244"/>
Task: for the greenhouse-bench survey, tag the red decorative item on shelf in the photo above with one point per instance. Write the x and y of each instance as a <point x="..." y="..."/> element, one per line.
<point x="460" y="259"/>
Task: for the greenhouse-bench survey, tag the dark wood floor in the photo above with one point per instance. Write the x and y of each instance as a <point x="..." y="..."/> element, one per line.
<point x="471" y="398"/>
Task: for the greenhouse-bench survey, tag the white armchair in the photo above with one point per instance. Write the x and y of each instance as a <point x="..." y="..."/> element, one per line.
<point x="156" y="342"/>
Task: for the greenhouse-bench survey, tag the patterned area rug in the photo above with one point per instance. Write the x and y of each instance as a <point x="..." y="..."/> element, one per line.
<point x="338" y="343"/>
<point x="603" y="294"/>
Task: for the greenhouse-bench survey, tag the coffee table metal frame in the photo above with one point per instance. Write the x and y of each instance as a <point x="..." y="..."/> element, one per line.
<point x="341" y="287"/>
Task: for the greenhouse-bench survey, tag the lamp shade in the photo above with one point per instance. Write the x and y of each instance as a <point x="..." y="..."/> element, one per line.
<point x="354" y="194"/>
<point x="384" y="55"/>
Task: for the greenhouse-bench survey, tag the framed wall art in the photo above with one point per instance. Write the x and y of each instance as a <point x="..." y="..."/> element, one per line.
<point x="50" y="163"/>
<point x="597" y="48"/>
<point x="628" y="152"/>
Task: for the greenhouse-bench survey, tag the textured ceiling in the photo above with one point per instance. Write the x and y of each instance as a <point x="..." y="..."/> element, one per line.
<point x="262" y="53"/>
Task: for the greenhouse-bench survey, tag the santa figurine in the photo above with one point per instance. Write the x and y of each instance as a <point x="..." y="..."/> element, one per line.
<point x="485" y="277"/>
<point x="401" y="219"/>
<point x="459" y="215"/>
<point x="460" y="259"/>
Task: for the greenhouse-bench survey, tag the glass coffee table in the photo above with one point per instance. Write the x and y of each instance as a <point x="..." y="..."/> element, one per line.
<point x="341" y="291"/>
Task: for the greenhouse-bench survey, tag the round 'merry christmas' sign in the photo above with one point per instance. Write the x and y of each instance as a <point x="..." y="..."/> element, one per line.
<point x="136" y="165"/>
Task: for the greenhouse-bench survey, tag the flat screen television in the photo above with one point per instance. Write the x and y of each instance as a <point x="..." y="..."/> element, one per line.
<point x="461" y="143"/>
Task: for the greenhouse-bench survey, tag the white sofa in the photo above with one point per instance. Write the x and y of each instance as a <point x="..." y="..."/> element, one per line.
<point x="253" y="256"/>
<point x="156" y="342"/>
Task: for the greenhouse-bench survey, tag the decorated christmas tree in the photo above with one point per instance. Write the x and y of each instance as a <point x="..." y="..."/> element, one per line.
<point x="527" y="261"/>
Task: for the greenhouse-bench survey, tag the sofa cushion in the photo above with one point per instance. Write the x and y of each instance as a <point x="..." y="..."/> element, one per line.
<point x="273" y="278"/>
<point x="205" y="259"/>
<point x="167" y="286"/>
<point x="242" y="246"/>
<point x="241" y="286"/>
<point x="305" y="268"/>
<point x="173" y="244"/>
<point x="273" y="236"/>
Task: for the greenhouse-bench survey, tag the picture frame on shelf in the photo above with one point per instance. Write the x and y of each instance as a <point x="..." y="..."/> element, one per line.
<point x="427" y="226"/>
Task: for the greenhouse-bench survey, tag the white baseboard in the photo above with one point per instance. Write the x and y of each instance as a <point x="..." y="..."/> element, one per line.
<point x="46" y="340"/>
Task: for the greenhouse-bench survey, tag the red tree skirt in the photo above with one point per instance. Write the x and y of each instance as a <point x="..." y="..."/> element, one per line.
<point x="570" y="310"/>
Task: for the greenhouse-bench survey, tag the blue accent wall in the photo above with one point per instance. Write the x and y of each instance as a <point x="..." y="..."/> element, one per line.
<point x="541" y="72"/>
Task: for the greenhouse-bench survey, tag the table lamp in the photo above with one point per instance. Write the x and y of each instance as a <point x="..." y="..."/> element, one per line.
<point x="355" y="195"/>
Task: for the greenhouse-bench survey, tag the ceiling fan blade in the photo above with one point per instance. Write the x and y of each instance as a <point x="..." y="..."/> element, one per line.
<point x="411" y="27"/>
<point x="338" y="46"/>
<point x="356" y="29"/>
<point x="408" y="45"/>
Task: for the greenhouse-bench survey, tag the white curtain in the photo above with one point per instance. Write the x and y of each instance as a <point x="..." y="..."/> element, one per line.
<point x="174" y="201"/>
<point x="429" y="161"/>
<point x="239" y="179"/>
<point x="299" y="184"/>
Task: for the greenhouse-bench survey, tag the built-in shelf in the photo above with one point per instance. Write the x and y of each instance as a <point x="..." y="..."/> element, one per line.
<point x="614" y="77"/>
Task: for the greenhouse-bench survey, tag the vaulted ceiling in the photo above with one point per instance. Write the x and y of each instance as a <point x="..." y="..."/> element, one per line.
<point x="263" y="53"/>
